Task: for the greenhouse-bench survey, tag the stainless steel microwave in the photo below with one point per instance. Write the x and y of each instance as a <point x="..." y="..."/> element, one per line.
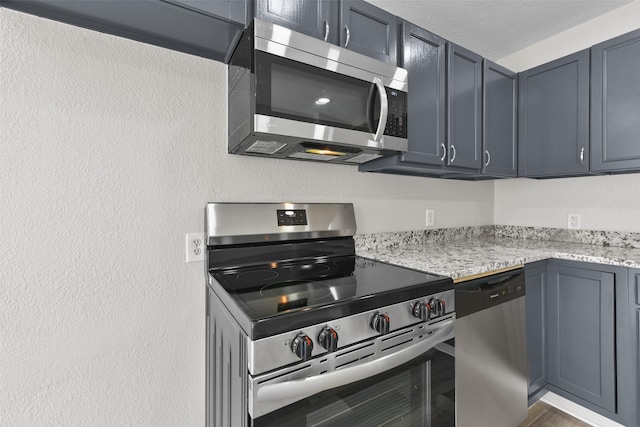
<point x="296" y="97"/>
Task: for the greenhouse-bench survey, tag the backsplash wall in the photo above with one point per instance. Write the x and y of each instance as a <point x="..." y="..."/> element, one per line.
<point x="609" y="203"/>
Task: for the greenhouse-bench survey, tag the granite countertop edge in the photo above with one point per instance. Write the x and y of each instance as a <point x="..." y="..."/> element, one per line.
<point x="480" y="255"/>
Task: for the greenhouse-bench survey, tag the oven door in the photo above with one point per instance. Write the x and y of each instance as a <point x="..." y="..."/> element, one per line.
<point x="417" y="392"/>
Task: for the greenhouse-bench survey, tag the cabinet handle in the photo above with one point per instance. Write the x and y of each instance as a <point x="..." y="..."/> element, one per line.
<point x="453" y="150"/>
<point x="582" y="155"/>
<point x="488" y="157"/>
<point x="326" y="30"/>
<point x="346" y="30"/>
<point x="444" y="152"/>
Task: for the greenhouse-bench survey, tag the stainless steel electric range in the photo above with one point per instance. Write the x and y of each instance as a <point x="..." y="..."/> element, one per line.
<point x="302" y="332"/>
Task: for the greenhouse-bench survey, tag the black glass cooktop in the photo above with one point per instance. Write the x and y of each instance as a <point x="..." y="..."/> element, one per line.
<point x="280" y="296"/>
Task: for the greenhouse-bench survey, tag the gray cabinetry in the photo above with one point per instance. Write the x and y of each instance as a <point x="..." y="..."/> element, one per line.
<point x="499" y="123"/>
<point x="536" y="303"/>
<point x="591" y="348"/>
<point x="581" y="328"/>
<point x="615" y="104"/>
<point x="369" y="30"/>
<point x="554" y="118"/>
<point x="424" y="58"/>
<point x="464" y="108"/>
<point x="316" y="18"/>
<point x="631" y="353"/>
<point x="206" y="28"/>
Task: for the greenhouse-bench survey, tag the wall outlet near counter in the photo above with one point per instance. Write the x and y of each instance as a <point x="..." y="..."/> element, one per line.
<point x="195" y="247"/>
<point x="431" y="217"/>
<point x="574" y="222"/>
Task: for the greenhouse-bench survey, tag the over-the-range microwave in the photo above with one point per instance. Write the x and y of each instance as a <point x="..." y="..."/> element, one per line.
<point x="296" y="97"/>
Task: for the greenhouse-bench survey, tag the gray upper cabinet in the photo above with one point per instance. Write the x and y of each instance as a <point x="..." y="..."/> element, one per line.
<point x="424" y="57"/>
<point x="581" y="328"/>
<point x="207" y="28"/>
<point x="315" y="18"/>
<point x="464" y="108"/>
<point x="499" y="129"/>
<point x="554" y="118"/>
<point x="615" y="104"/>
<point x="369" y="30"/>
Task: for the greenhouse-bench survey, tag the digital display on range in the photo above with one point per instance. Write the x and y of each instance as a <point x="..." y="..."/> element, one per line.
<point x="292" y="217"/>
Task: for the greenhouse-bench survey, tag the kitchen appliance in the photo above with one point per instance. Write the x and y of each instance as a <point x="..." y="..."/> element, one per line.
<point x="491" y="351"/>
<point x="302" y="332"/>
<point x="296" y="97"/>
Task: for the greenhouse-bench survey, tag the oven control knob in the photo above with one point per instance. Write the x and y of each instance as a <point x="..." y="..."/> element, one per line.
<point x="328" y="339"/>
<point x="436" y="307"/>
<point x="380" y="323"/>
<point x="302" y="346"/>
<point x="422" y="311"/>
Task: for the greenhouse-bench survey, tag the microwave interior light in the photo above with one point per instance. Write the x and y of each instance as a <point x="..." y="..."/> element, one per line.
<point x="322" y="101"/>
<point x="324" y="152"/>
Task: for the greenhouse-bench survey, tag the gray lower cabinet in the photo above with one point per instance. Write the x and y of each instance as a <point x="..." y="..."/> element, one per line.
<point x="536" y="303"/>
<point x="553" y="118"/>
<point x="581" y="333"/>
<point x="499" y="122"/>
<point x="315" y="18"/>
<point x="632" y="352"/>
<point x="369" y="30"/>
<point x="583" y="323"/>
<point x="207" y="28"/>
<point x="464" y="108"/>
<point x="615" y="104"/>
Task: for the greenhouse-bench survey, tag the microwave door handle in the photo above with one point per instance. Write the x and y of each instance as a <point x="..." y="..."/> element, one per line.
<point x="384" y="109"/>
<point x="300" y="389"/>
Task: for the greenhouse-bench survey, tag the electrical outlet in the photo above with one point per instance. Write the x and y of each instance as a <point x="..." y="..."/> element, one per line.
<point x="195" y="247"/>
<point x="431" y="217"/>
<point x="574" y="221"/>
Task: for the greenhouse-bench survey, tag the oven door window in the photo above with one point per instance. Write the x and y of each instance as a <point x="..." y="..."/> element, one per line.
<point x="301" y="92"/>
<point x="418" y="393"/>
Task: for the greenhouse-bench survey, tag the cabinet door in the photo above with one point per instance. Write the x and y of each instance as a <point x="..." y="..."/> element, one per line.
<point x="581" y="333"/>
<point x="554" y="118"/>
<point x="499" y="137"/>
<point x="464" y="108"/>
<point x="631" y="366"/>
<point x="369" y="30"/>
<point x="424" y="58"/>
<point x="615" y="104"/>
<point x="311" y="17"/>
<point x="536" y="303"/>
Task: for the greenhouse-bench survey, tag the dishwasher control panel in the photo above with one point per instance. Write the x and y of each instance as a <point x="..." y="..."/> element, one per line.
<point x="480" y="294"/>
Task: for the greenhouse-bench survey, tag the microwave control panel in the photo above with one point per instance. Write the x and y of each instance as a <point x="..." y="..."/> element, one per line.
<point x="397" y="116"/>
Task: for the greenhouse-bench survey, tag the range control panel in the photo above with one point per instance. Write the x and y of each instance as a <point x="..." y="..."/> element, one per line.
<point x="292" y="217"/>
<point x="310" y="342"/>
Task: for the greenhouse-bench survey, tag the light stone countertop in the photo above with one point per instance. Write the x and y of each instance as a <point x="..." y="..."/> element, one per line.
<point x="482" y="254"/>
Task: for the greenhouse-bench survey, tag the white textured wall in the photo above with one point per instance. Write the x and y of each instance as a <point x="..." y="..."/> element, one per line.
<point x="605" y="202"/>
<point x="617" y="22"/>
<point x="109" y="150"/>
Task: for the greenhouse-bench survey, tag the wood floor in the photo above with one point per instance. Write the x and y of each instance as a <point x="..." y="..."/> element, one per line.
<point x="542" y="414"/>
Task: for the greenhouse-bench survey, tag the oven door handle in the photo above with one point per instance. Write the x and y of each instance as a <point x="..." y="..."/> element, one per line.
<point x="299" y="389"/>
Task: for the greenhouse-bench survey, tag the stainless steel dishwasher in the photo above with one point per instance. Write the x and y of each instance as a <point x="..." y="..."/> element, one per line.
<point x="490" y="351"/>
